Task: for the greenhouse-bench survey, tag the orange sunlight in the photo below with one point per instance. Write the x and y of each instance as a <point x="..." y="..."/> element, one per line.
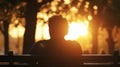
<point x="76" y="29"/>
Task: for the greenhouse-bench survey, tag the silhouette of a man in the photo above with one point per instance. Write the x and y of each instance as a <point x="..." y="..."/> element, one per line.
<point x="57" y="52"/>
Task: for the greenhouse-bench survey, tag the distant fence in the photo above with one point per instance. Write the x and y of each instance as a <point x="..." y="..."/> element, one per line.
<point x="89" y="60"/>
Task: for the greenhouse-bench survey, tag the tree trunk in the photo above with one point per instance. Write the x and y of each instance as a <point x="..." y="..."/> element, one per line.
<point x="94" y="26"/>
<point x="6" y="37"/>
<point x="31" y="13"/>
<point x="96" y="22"/>
<point x="29" y="36"/>
<point x="110" y="41"/>
<point x="94" y="38"/>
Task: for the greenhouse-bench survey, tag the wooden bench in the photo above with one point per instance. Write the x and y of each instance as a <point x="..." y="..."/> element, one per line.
<point x="89" y="60"/>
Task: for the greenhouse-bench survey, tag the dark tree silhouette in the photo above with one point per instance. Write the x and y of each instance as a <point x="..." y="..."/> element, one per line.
<point x="29" y="36"/>
<point x="96" y="22"/>
<point x="111" y="18"/>
<point x="7" y="8"/>
<point x="5" y="16"/>
<point x="31" y="13"/>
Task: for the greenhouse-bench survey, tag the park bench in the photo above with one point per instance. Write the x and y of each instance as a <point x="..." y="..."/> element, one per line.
<point x="89" y="60"/>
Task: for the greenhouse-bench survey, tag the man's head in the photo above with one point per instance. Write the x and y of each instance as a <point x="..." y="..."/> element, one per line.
<point x="58" y="26"/>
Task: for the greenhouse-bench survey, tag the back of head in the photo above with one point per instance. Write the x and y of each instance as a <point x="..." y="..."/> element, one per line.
<point x="58" y="26"/>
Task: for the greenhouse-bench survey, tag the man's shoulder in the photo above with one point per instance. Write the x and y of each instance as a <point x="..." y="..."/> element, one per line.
<point x="74" y="47"/>
<point x="73" y="43"/>
<point x="38" y="47"/>
<point x="41" y="43"/>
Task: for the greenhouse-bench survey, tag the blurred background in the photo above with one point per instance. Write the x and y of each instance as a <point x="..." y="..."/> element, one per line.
<point x="95" y="24"/>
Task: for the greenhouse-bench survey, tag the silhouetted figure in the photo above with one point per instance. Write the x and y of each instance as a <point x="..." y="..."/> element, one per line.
<point x="57" y="52"/>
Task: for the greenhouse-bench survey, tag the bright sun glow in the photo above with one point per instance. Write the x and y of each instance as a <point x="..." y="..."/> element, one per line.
<point x="76" y="30"/>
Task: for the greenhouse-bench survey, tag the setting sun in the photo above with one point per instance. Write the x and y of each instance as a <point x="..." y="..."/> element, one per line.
<point x="76" y="30"/>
